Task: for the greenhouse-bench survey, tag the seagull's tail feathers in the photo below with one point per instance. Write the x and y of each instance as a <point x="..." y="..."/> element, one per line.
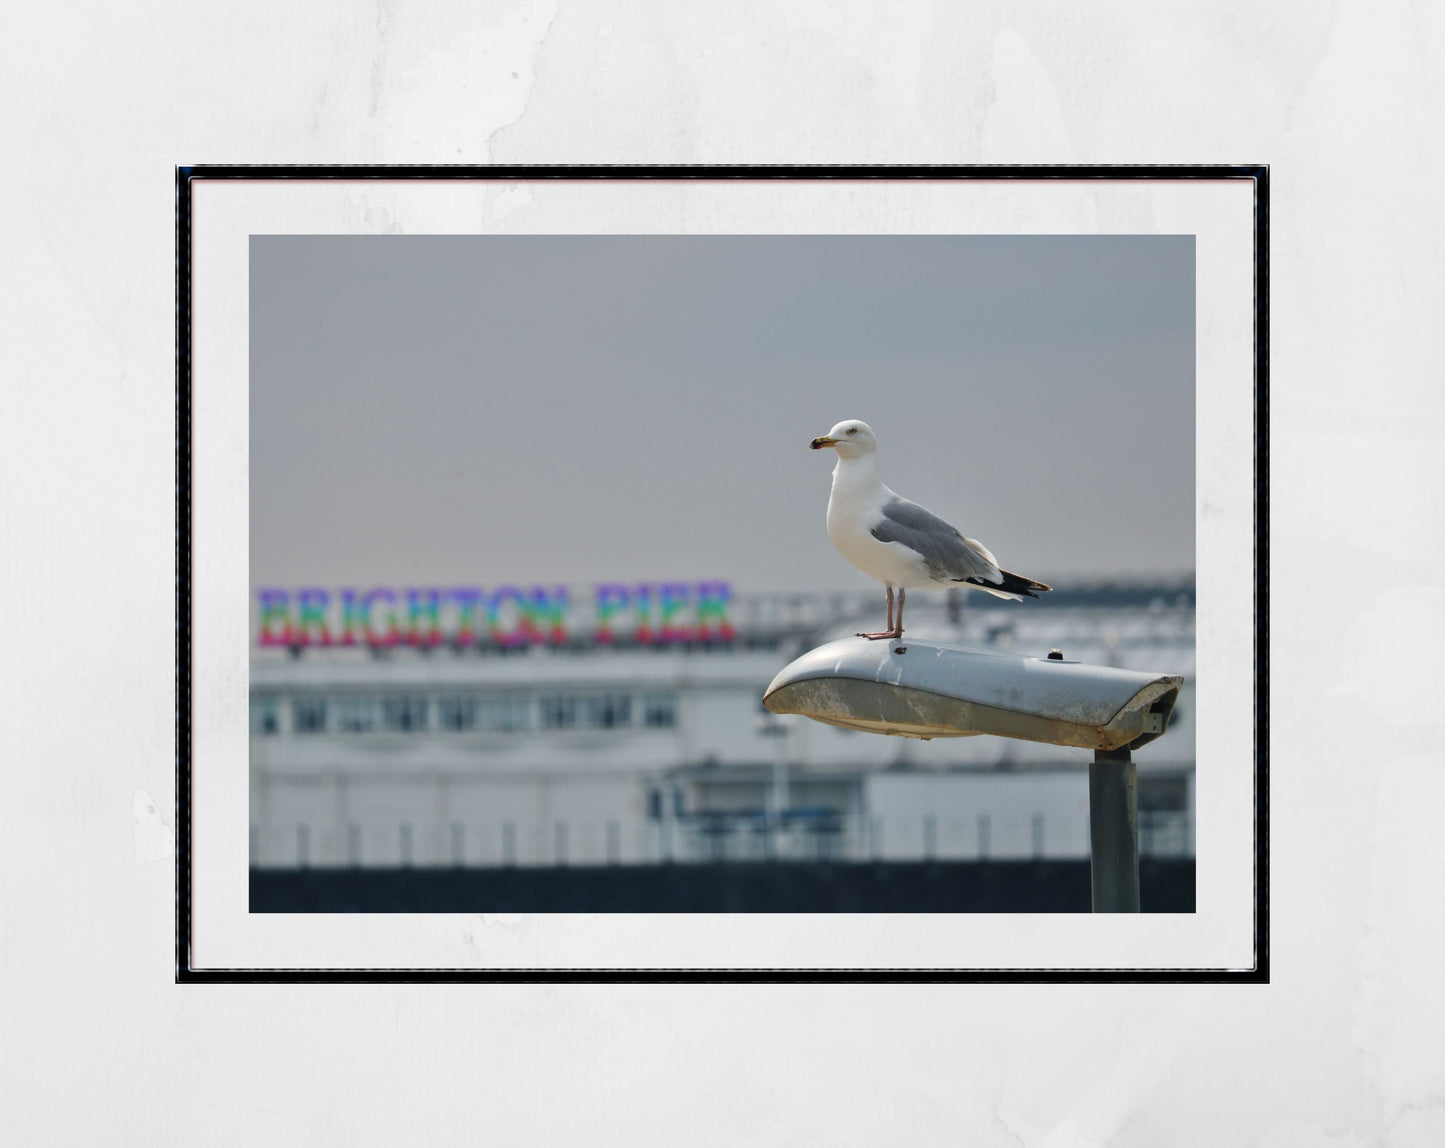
<point x="1011" y="586"/>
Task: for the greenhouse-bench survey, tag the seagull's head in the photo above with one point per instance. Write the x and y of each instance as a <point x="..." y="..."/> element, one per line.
<point x="849" y="438"/>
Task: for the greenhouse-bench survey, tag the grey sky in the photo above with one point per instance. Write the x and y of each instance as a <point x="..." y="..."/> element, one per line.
<point x="487" y="410"/>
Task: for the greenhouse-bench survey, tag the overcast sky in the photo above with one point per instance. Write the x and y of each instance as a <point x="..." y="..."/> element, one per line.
<point x="488" y="410"/>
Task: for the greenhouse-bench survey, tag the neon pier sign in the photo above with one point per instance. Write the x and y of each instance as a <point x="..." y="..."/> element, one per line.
<point x="647" y="613"/>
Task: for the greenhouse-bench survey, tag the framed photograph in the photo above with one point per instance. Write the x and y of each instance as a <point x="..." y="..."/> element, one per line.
<point x="513" y="504"/>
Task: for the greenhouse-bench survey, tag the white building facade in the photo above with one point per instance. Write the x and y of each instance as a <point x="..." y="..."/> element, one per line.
<point x="616" y="751"/>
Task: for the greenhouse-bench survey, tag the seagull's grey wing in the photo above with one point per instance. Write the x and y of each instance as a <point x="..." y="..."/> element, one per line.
<point x="947" y="553"/>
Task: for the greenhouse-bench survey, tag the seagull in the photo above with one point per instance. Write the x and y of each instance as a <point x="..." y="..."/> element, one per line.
<point x="897" y="541"/>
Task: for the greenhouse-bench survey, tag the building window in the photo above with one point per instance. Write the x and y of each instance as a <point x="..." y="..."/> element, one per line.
<point x="404" y="714"/>
<point x="659" y="711"/>
<point x="457" y="712"/>
<point x="504" y="712"/>
<point x="265" y="715"/>
<point x="609" y="711"/>
<point x="357" y="714"/>
<point x="308" y="714"/>
<point x="558" y="711"/>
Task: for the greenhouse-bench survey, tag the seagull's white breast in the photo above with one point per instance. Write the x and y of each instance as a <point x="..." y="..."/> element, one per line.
<point x="855" y="506"/>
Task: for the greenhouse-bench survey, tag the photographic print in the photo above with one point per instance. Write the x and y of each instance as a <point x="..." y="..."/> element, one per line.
<point x="578" y="602"/>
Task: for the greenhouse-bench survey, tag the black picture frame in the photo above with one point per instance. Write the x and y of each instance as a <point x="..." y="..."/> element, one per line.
<point x="186" y="180"/>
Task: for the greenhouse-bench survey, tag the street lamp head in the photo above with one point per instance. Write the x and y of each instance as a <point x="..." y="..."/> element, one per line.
<point x="911" y="688"/>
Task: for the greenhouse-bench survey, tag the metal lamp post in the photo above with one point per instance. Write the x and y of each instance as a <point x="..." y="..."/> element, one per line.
<point x="923" y="689"/>
<point x="779" y="799"/>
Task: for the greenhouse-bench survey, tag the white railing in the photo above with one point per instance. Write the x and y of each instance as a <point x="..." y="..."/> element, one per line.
<point x="703" y="839"/>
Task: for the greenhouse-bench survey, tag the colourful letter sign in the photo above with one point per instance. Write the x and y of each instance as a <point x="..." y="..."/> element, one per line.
<point x="389" y="636"/>
<point x="612" y="598"/>
<point x="642" y="612"/>
<point x="712" y="612"/>
<point x="275" y="618"/>
<point x="423" y="608"/>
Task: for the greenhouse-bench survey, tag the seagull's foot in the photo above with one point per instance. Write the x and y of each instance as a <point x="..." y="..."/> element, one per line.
<point x="889" y="634"/>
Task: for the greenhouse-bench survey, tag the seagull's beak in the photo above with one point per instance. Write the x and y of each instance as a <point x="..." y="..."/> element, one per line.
<point x="820" y="442"/>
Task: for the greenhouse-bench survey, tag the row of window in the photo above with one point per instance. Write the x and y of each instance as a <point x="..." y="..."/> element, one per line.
<point x="458" y="713"/>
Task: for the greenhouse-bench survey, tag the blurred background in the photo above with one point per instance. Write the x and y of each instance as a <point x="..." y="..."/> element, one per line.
<point x="534" y="524"/>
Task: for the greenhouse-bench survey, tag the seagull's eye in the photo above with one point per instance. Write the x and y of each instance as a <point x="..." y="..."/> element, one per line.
<point x="852" y="430"/>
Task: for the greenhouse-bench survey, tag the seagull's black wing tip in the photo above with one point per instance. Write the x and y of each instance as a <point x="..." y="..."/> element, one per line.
<point x="1012" y="583"/>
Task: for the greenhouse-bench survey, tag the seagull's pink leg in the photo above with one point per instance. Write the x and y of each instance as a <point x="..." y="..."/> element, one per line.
<point x="893" y="630"/>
